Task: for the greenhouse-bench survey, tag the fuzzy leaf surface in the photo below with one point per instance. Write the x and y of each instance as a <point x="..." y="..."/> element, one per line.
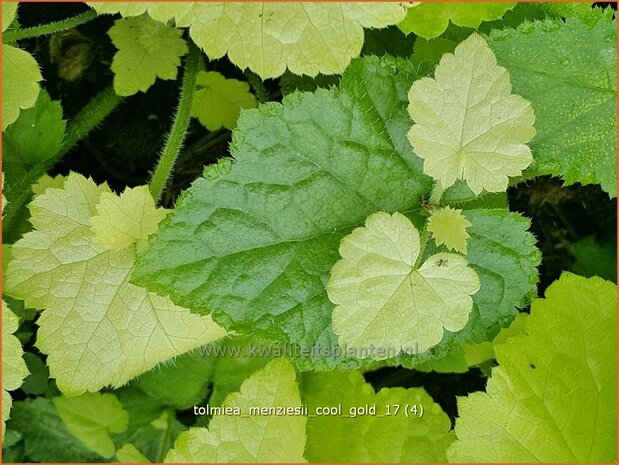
<point x="552" y="397"/>
<point x="568" y="71"/>
<point x="97" y="328"/>
<point x="254" y="244"/>
<point x="448" y="226"/>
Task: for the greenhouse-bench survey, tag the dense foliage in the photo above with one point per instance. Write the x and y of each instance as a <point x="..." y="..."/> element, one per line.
<point x="372" y="232"/>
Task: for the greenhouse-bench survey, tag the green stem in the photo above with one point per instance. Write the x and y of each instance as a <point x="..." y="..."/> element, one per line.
<point x="423" y="241"/>
<point x="88" y="118"/>
<point x="165" y="440"/>
<point x="49" y="28"/>
<point x="176" y="137"/>
<point x="437" y="194"/>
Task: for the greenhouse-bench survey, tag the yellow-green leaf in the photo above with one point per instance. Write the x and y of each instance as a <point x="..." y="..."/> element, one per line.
<point x="125" y="219"/>
<point x="20" y="82"/>
<point x="468" y="124"/>
<point x="386" y="302"/>
<point x="307" y="38"/>
<point x="251" y="437"/>
<point x="147" y="50"/>
<point x="9" y="11"/>
<point x="97" y="328"/>
<point x="14" y="369"/>
<point x="128" y="453"/>
<point x="91" y="418"/>
<point x="430" y="19"/>
<point x="218" y="101"/>
<point x="448" y="226"/>
<point x="553" y="396"/>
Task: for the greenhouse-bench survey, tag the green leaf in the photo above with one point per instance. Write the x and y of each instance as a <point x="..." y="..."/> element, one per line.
<point x="468" y="123"/>
<point x="14" y="369"/>
<point x="46" y="181"/>
<point x="147" y="50"/>
<point x="429" y="20"/>
<point x="20" y="82"/>
<point x="218" y="101"/>
<point x="251" y="438"/>
<point x="9" y="12"/>
<point x="35" y="137"/>
<point x="267" y="38"/>
<point x="255" y="245"/>
<point x="181" y="382"/>
<point x="448" y="226"/>
<point x="152" y="427"/>
<point x="553" y="396"/>
<point x="502" y="252"/>
<point x="130" y="454"/>
<point x="233" y="367"/>
<point x="125" y="219"/>
<point x="46" y="438"/>
<point x="38" y="380"/>
<point x="387" y="300"/>
<point x="375" y="438"/>
<point x="459" y="359"/>
<point x="595" y="258"/>
<point x="568" y="71"/>
<point x="59" y="267"/>
<point x="91" y="418"/>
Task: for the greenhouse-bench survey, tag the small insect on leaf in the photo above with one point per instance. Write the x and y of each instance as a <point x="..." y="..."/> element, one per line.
<point x="383" y="299"/>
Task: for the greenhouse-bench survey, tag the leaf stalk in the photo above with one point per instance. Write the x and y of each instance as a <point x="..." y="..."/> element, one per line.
<point x="176" y="137"/>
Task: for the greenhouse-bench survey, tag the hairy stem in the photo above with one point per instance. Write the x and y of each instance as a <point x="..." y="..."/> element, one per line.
<point x="176" y="137"/>
<point x="88" y="118"/>
<point x="436" y="195"/>
<point x="49" y="28"/>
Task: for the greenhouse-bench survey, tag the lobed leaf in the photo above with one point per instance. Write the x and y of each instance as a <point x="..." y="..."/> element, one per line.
<point x="448" y="226"/>
<point x="430" y="20"/>
<point x="567" y="70"/>
<point x="306" y="38"/>
<point x="553" y="396"/>
<point x="387" y="300"/>
<point x="20" y="82"/>
<point x="468" y="123"/>
<point x="147" y="50"/>
<point x="386" y="437"/>
<point x="218" y="101"/>
<point x="250" y="438"/>
<point x="97" y="328"/>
